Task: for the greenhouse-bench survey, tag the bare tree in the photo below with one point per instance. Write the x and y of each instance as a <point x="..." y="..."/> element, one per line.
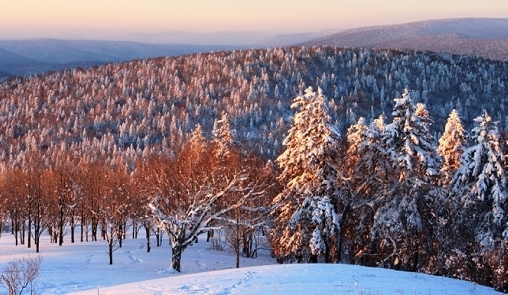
<point x="20" y="274"/>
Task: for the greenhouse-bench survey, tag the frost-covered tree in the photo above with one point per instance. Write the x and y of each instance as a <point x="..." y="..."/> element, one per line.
<point x="479" y="185"/>
<point x="189" y="193"/>
<point x="306" y="219"/>
<point x="402" y="227"/>
<point x="366" y="153"/>
<point x="368" y="170"/>
<point x="409" y="142"/>
<point x="451" y="146"/>
<point x="223" y="138"/>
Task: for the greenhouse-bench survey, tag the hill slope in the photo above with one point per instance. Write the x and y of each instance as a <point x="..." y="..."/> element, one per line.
<point x="303" y="279"/>
<point x="486" y="38"/>
<point x="155" y="103"/>
<point x="82" y="268"/>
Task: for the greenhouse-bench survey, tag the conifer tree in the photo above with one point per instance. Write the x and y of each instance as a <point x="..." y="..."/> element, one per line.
<point x="306" y="222"/>
<point x="451" y="146"/>
<point x="409" y="142"/>
<point x="223" y="138"/>
<point x="368" y="169"/>
<point x="479" y="186"/>
<point x="402" y="227"/>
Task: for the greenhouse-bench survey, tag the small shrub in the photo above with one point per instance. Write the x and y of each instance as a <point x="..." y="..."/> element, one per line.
<point x="19" y="274"/>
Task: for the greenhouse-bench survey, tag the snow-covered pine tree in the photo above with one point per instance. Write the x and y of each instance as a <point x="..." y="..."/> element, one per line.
<point x="479" y="186"/>
<point x="368" y="170"/>
<point x="409" y="141"/>
<point x="451" y="145"/>
<point x="402" y="227"/>
<point x="223" y="138"/>
<point x="306" y="222"/>
<point x="366" y="154"/>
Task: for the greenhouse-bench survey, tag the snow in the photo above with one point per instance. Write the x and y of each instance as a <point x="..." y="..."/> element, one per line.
<point x="82" y="268"/>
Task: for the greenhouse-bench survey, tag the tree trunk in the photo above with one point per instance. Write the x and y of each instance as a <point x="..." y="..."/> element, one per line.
<point x="313" y="258"/>
<point x="110" y="251"/>
<point x="120" y="235"/>
<point x="209" y="235"/>
<point x="345" y="216"/>
<point x="94" y="229"/>
<point x="15" y="228"/>
<point x="60" y="235"/>
<point x="158" y="236"/>
<point x="37" y="243"/>
<point x="147" y="235"/>
<point x="61" y="224"/>
<point x="237" y="244"/>
<point x="176" y="257"/>
<point x="23" y="229"/>
<point x="135" y="229"/>
<point x="73" y="225"/>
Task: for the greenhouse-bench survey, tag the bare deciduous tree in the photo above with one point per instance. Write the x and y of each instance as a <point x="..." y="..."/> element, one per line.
<point x="20" y="274"/>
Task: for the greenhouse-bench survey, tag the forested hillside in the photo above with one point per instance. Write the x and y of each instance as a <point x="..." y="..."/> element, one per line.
<point x="151" y="105"/>
<point x="185" y="146"/>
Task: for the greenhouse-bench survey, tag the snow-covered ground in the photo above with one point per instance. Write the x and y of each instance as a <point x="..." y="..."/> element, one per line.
<point x="82" y="268"/>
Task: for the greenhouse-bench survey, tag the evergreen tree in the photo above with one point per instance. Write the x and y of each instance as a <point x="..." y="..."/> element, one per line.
<point x="479" y="186"/>
<point x="368" y="170"/>
<point x="451" y="146"/>
<point x="306" y="222"/>
<point x="402" y="226"/>
<point x="409" y="142"/>
<point x="223" y="138"/>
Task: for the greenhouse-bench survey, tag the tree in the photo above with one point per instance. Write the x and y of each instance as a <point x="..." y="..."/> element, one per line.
<point x="451" y="146"/>
<point x="189" y="194"/>
<point x="223" y="138"/>
<point x="306" y="219"/>
<point x="244" y="226"/>
<point x="19" y="274"/>
<point x="113" y="210"/>
<point x="403" y="222"/>
<point x="37" y="194"/>
<point x="479" y="185"/>
<point x="368" y="170"/>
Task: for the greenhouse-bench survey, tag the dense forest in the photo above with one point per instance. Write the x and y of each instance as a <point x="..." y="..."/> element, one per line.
<point x="238" y="141"/>
<point x="151" y="105"/>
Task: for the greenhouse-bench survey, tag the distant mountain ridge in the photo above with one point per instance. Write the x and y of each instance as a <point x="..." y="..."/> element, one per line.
<point x="483" y="37"/>
<point x="26" y="57"/>
<point x="36" y="56"/>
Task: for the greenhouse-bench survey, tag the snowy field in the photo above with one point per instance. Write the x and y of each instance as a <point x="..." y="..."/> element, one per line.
<point x="82" y="268"/>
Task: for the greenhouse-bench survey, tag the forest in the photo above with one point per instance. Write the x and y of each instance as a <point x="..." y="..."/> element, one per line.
<point x="393" y="158"/>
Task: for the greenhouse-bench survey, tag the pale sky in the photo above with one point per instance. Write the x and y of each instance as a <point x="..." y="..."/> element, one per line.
<point x="119" y="19"/>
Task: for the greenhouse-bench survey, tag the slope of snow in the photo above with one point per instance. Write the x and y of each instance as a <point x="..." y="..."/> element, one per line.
<point x="82" y="268"/>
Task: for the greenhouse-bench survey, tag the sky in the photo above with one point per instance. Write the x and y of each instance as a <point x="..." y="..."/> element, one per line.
<point x="128" y="19"/>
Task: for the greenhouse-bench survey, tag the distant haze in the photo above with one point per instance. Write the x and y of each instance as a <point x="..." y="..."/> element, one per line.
<point x="162" y="21"/>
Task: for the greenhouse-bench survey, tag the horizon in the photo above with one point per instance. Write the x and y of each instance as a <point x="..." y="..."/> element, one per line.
<point x="127" y="20"/>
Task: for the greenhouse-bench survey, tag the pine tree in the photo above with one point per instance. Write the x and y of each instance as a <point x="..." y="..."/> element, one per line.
<point x="409" y="142"/>
<point x="223" y="138"/>
<point x="368" y="170"/>
<point x="366" y="153"/>
<point x="306" y="222"/>
<point x="451" y="146"/>
<point x="402" y="226"/>
<point x="479" y="186"/>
